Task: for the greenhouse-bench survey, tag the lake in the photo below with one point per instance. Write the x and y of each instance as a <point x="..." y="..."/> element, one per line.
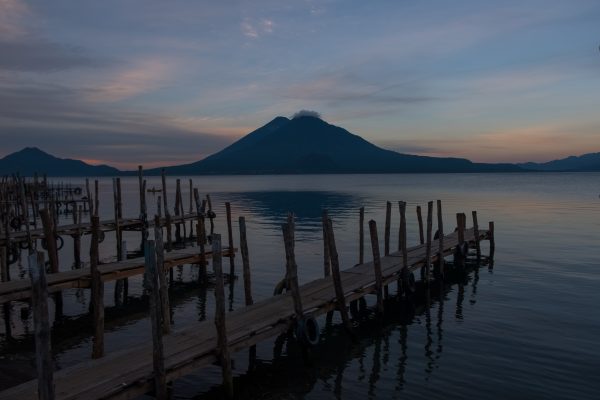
<point x="527" y="328"/>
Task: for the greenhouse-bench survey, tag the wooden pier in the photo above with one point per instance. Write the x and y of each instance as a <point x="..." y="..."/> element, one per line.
<point x="147" y="367"/>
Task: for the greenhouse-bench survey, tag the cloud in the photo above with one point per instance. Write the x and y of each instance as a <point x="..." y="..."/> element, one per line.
<point x="11" y="15"/>
<point x="253" y="29"/>
<point x="31" y="54"/>
<point x="306" y="113"/>
<point x="142" y="77"/>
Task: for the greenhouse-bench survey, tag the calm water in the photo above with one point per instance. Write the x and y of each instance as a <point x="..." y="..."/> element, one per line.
<point x="528" y="328"/>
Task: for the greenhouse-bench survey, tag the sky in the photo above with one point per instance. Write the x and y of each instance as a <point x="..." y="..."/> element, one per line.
<point x="169" y="82"/>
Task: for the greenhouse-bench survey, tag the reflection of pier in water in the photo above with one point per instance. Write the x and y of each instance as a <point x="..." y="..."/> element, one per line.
<point x="293" y="370"/>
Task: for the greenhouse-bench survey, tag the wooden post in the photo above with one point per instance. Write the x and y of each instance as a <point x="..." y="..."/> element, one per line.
<point x="166" y="208"/>
<point x="47" y="222"/>
<point x="118" y="238"/>
<point x="440" y="240"/>
<point x="361" y="237"/>
<point x="26" y="215"/>
<point x="76" y="238"/>
<point x="230" y="242"/>
<point x="191" y="210"/>
<point x="492" y="239"/>
<point x="119" y="199"/>
<point x="245" y="262"/>
<point x="151" y="286"/>
<point x="222" y="346"/>
<point x="120" y="284"/>
<point x="143" y="209"/>
<point x="476" y="233"/>
<point x="427" y="265"/>
<point x="376" y="265"/>
<point x="43" y="354"/>
<point x="290" y="265"/>
<point x="420" y="218"/>
<point x="337" y="279"/>
<point x="403" y="240"/>
<point x="89" y="198"/>
<point x="211" y="215"/>
<point x="177" y="208"/>
<point x="96" y="198"/>
<point x="160" y="271"/>
<point x="326" y="255"/>
<point x="461" y="229"/>
<point x="388" y="222"/>
<point x="201" y="233"/>
<point x="97" y="292"/>
<point x="4" y="276"/>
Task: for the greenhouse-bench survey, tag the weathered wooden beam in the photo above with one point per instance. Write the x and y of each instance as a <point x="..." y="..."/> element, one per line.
<point x="426" y="267"/>
<point x="440" y="219"/>
<point x="326" y="255"/>
<point x="162" y="280"/>
<point x="245" y="262"/>
<point x="97" y="293"/>
<point x="376" y="265"/>
<point x="476" y="232"/>
<point x="230" y="241"/>
<point x="291" y="266"/>
<point x="222" y="343"/>
<point x="388" y="224"/>
<point x="43" y="353"/>
<point x="361" y="236"/>
<point x="151" y="286"/>
<point x="337" y="279"/>
<point x="48" y="223"/>
<point x="420" y="220"/>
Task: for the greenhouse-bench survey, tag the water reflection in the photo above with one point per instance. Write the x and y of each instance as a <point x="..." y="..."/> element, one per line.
<point x="273" y="206"/>
<point x="340" y="365"/>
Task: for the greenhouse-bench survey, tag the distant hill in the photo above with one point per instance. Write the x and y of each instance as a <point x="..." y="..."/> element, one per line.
<point x="585" y="162"/>
<point x="308" y="144"/>
<point x="31" y="159"/>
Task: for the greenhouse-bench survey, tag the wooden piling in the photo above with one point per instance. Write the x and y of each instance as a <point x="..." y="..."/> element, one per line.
<point x="222" y="346"/>
<point x="96" y="198"/>
<point x="118" y="238"/>
<point x="177" y="208"/>
<point x="166" y="208"/>
<point x="388" y="223"/>
<point x="48" y="223"/>
<point x="492" y="239"/>
<point x="230" y="242"/>
<point x="476" y="232"/>
<point x="376" y="264"/>
<point x="90" y="203"/>
<point x="361" y="237"/>
<point x="440" y="240"/>
<point x="460" y="227"/>
<point x="97" y="292"/>
<point x="420" y="219"/>
<point x="201" y="233"/>
<point x="245" y="262"/>
<point x="151" y="286"/>
<point x="337" y="279"/>
<point x="43" y="353"/>
<point x="290" y="265"/>
<point x="326" y="256"/>
<point x="76" y="238"/>
<point x="426" y="267"/>
<point x="143" y="208"/>
<point x="162" y="280"/>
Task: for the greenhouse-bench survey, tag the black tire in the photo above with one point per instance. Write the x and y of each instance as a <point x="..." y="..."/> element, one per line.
<point x="77" y="191"/>
<point x="14" y="254"/>
<point x="101" y="236"/>
<point x="16" y="223"/>
<point x="307" y="331"/>
<point x="408" y="283"/>
<point x="24" y="245"/>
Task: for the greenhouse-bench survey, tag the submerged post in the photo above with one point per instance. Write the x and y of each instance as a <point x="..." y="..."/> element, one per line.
<point x="151" y="286"/>
<point x="492" y="239"/>
<point x="376" y="264"/>
<point x="222" y="347"/>
<point x="39" y="301"/>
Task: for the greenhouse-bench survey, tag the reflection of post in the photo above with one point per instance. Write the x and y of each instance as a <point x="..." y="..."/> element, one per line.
<point x="403" y="357"/>
<point x="374" y="376"/>
<point x="459" y="301"/>
<point x="429" y="367"/>
<point x="440" y="321"/>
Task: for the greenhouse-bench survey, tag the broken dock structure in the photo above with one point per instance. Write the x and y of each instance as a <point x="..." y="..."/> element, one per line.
<point x="148" y="367"/>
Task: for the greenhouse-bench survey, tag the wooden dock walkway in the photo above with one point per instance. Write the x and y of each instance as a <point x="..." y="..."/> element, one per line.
<point x="20" y="289"/>
<point x="128" y="373"/>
